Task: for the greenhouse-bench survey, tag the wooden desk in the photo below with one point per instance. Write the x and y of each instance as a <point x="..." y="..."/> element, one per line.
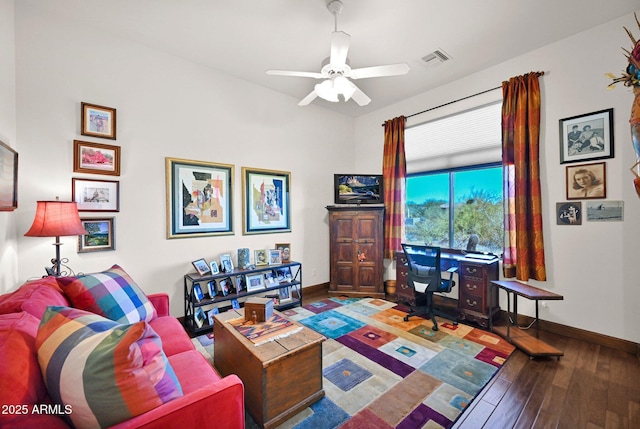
<point x="529" y="344"/>
<point x="281" y="377"/>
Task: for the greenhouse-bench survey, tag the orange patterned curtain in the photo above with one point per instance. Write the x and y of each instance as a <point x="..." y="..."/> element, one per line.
<point x="523" y="247"/>
<point x="394" y="173"/>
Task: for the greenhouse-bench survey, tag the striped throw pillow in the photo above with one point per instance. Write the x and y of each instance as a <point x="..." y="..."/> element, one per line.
<point x="111" y="293"/>
<point x="102" y="372"/>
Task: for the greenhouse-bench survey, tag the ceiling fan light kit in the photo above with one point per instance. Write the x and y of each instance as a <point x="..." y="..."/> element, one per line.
<point x="336" y="69"/>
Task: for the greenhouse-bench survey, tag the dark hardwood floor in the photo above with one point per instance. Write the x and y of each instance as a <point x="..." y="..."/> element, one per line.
<point x="590" y="387"/>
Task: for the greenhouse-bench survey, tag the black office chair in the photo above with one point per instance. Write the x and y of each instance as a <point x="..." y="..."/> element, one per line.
<point x="424" y="268"/>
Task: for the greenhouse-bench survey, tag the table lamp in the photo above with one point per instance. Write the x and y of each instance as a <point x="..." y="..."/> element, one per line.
<point x="56" y="219"/>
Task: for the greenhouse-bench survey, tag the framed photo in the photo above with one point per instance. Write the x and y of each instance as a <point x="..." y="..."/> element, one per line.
<point x="260" y="257"/>
<point x="96" y="195"/>
<point x="226" y="263"/>
<point x="199" y="317"/>
<point x="211" y="289"/>
<point x="226" y="286"/>
<point x="98" y="121"/>
<point x="605" y="211"/>
<point x="214" y="267"/>
<point x="100" y="235"/>
<point x="285" y="251"/>
<point x="241" y="283"/>
<point x="199" y="198"/>
<point x="284" y="294"/>
<point x="244" y="258"/>
<point x="197" y="292"/>
<point x="270" y="278"/>
<point x="569" y="213"/>
<point x="8" y="178"/>
<point x="235" y="304"/>
<point x="283" y="274"/>
<point x="586" y="181"/>
<point x="275" y="257"/>
<point x="586" y="137"/>
<point x="201" y="267"/>
<point x="96" y="158"/>
<point x="265" y="201"/>
<point x="254" y="282"/>
<point x="211" y="314"/>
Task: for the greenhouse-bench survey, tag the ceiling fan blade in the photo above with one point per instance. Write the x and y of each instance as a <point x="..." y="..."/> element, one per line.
<point x="379" y="71"/>
<point x="295" y="73"/>
<point x="339" y="48"/>
<point x="360" y="97"/>
<point x="308" y="99"/>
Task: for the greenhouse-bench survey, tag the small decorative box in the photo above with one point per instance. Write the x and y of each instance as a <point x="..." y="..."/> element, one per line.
<point x="262" y="307"/>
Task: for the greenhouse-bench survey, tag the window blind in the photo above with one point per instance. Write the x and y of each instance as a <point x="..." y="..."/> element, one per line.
<point x="462" y="139"/>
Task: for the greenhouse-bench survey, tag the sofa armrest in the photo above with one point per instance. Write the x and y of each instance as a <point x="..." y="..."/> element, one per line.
<point x="161" y="303"/>
<point x="219" y="405"/>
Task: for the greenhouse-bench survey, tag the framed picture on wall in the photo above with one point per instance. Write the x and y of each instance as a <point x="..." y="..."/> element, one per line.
<point x="587" y="181"/>
<point x="8" y="178"/>
<point x="265" y="201"/>
<point x="96" y="195"/>
<point x="199" y="198"/>
<point x="586" y="137"/>
<point x="98" y="121"/>
<point x="101" y="235"/>
<point x="96" y="158"/>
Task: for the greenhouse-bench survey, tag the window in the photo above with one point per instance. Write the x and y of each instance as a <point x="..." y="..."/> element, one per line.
<point x="452" y="201"/>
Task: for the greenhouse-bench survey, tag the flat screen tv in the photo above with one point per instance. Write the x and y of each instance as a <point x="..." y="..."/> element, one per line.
<point x="358" y="189"/>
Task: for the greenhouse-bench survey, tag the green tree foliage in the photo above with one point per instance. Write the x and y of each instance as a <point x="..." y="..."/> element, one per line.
<point x="480" y="213"/>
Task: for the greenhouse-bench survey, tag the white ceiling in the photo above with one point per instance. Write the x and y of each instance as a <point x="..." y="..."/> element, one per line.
<point x="245" y="38"/>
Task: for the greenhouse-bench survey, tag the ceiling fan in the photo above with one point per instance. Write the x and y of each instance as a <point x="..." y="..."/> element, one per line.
<point x="336" y="70"/>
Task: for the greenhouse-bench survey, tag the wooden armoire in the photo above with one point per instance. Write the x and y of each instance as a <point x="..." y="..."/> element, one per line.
<point x="356" y="251"/>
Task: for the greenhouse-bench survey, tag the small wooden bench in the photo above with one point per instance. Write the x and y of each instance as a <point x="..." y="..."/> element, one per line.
<point x="533" y="346"/>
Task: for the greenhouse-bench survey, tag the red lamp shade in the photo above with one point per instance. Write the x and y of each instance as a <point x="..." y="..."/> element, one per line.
<point x="55" y="219"/>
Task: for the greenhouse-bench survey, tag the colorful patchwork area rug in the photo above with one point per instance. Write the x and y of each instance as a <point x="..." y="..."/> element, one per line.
<point x="382" y="372"/>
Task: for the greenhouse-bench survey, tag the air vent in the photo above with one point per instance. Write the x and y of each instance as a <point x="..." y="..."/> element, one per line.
<point x="435" y="58"/>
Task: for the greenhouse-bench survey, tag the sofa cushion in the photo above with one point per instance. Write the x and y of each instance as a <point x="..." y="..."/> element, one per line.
<point x="33" y="297"/>
<point x="111" y="293"/>
<point x="106" y="372"/>
<point x="174" y="338"/>
<point x="20" y="379"/>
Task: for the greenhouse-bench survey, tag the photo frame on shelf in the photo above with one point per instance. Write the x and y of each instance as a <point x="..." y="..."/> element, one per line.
<point x="270" y="278"/>
<point x="244" y="258"/>
<point x="197" y="292"/>
<point x="285" y="250"/>
<point x="199" y="198"/>
<point x="241" y="283"/>
<point x="8" y="178"/>
<point x="235" y="304"/>
<point x="260" y="257"/>
<point x="96" y="195"/>
<point x="587" y="181"/>
<point x="275" y="257"/>
<point x="587" y="137"/>
<point x="254" y="282"/>
<point x="201" y="267"/>
<point x="266" y="203"/>
<point x="211" y="289"/>
<point x="283" y="274"/>
<point x="226" y="263"/>
<point x="98" y="121"/>
<point x="96" y="158"/>
<point x="213" y="265"/>
<point x="284" y="294"/>
<point x="100" y="237"/>
<point x="211" y="313"/>
<point x="199" y="317"/>
<point x="226" y="286"/>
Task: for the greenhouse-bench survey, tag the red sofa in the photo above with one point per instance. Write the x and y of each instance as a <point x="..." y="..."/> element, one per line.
<point x="209" y="400"/>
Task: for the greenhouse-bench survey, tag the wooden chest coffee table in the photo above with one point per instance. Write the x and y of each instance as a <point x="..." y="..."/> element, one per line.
<point x="281" y="377"/>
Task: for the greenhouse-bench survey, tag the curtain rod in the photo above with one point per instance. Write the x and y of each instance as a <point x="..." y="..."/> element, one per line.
<point x="539" y="73"/>
<point x="451" y="102"/>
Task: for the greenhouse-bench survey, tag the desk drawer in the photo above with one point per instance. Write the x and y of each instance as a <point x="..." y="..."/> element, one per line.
<point x="472" y="286"/>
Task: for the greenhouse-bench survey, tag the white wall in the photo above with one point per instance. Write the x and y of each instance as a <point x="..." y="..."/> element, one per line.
<point x="594" y="266"/>
<point x="166" y="107"/>
<point x="8" y="243"/>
